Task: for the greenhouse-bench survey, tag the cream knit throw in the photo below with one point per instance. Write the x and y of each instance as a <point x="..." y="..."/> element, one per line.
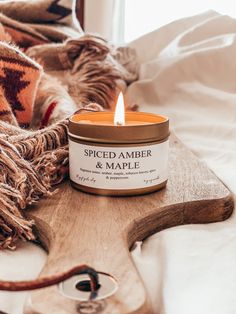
<point x="30" y="164"/>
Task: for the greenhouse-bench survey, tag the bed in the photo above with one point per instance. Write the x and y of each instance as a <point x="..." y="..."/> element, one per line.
<point x="187" y="71"/>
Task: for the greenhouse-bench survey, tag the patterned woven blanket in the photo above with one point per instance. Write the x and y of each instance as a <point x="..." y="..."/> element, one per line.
<point x="48" y="70"/>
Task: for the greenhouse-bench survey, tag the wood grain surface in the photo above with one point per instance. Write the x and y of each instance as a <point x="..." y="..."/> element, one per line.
<point x="78" y="228"/>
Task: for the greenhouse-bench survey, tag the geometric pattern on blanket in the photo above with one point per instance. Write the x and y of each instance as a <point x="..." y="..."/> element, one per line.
<point x="19" y="78"/>
<point x="61" y="11"/>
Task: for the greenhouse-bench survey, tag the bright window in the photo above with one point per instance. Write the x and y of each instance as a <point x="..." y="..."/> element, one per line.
<point x="144" y="16"/>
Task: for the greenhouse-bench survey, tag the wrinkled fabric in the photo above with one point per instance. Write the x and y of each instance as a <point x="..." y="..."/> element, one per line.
<point x="188" y="72"/>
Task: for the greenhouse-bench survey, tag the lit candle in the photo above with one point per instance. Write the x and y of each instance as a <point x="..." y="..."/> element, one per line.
<point x="118" y="153"/>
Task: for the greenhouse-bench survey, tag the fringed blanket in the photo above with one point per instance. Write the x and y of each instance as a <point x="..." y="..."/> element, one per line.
<point x="52" y="72"/>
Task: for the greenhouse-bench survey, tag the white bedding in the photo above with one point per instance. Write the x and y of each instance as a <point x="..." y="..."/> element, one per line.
<point x="188" y="72"/>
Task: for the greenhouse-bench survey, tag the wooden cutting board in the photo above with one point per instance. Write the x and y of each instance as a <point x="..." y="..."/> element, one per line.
<point x="78" y="228"/>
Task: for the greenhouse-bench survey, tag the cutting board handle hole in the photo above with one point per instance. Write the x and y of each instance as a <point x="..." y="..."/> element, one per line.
<point x="84" y="285"/>
<point x="78" y="287"/>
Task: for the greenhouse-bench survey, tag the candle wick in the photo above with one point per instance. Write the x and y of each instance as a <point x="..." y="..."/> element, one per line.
<point x="119" y="123"/>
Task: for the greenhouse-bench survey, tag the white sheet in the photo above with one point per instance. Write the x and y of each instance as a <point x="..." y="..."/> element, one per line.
<point x="188" y="72"/>
<point x="23" y="264"/>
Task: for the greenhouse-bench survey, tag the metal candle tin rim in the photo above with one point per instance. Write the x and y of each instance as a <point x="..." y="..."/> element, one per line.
<point x="141" y="133"/>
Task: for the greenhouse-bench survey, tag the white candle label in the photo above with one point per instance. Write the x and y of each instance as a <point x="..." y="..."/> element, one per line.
<point x="118" y="168"/>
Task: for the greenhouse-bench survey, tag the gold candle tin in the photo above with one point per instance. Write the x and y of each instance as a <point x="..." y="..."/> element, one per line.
<point x="118" y="160"/>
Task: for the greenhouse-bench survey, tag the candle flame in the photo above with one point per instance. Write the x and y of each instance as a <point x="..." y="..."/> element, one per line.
<point x="119" y="117"/>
